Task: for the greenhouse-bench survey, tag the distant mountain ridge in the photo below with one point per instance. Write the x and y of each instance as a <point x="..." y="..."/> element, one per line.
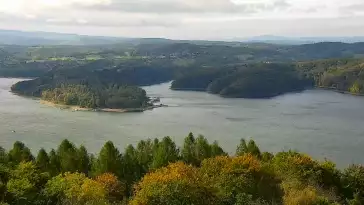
<point x="302" y="40"/>
<point x="31" y="38"/>
<point x="50" y="38"/>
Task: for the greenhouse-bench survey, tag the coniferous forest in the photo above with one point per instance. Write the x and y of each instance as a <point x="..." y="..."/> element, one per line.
<point x="158" y="172"/>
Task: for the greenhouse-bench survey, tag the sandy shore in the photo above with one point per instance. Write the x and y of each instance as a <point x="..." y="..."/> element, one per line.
<point x="78" y="108"/>
<point x="68" y="107"/>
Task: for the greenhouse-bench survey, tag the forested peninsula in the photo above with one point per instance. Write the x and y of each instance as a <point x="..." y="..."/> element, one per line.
<point x="108" y="76"/>
<point x="158" y="172"/>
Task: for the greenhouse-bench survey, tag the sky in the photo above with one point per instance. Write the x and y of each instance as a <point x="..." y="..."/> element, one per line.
<point x="186" y="19"/>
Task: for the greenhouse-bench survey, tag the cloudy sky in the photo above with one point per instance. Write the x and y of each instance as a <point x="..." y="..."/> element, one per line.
<point x="187" y="19"/>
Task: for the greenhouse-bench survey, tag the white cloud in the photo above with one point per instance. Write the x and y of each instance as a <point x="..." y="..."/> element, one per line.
<point x="171" y="18"/>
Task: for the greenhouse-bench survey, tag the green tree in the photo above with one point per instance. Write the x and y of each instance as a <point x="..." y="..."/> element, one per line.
<point x="42" y="160"/>
<point x="203" y="149"/>
<point x="242" y="148"/>
<point x="67" y="156"/>
<point x="26" y="182"/>
<point x="144" y="152"/>
<point x="109" y="160"/>
<point x="253" y="149"/>
<point x="250" y="147"/>
<point x="216" y="150"/>
<point x="165" y="153"/>
<point x="188" y="152"/>
<point x="54" y="164"/>
<point x="131" y="168"/>
<point x="3" y="156"/>
<point x="83" y="160"/>
<point x="4" y="178"/>
<point x="20" y="153"/>
<point x="353" y="183"/>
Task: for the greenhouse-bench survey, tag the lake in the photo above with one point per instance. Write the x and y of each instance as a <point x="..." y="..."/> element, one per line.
<point x="321" y="123"/>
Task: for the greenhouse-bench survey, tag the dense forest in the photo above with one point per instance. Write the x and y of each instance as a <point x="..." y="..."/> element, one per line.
<point x="345" y="75"/>
<point x="249" y="81"/>
<point x="161" y="173"/>
<point x="113" y="97"/>
<point x="230" y="69"/>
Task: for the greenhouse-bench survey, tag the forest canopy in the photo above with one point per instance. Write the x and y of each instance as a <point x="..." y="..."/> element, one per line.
<point x="158" y="172"/>
<point x="113" y="97"/>
<point x="250" y="81"/>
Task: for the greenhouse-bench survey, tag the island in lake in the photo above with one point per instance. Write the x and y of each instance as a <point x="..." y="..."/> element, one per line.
<point x="109" y="76"/>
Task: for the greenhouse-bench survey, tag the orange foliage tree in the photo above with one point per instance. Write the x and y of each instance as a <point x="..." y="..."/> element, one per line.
<point x="177" y="183"/>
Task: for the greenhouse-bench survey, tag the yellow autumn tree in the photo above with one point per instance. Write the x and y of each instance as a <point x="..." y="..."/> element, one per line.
<point x="175" y="184"/>
<point x="293" y="165"/>
<point x="242" y="176"/>
<point x="295" y="193"/>
<point x="75" y="188"/>
<point x="115" y="189"/>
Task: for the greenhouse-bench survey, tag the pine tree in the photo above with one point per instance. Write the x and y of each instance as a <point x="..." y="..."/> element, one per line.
<point x="20" y="153"/>
<point x="42" y="160"/>
<point x="109" y="160"/>
<point x="165" y="153"/>
<point x="67" y="155"/>
<point x="188" y="152"/>
<point x="83" y="160"/>
<point x="254" y="149"/>
<point x="3" y="156"/>
<point x="216" y="150"/>
<point x="54" y="164"/>
<point x="144" y="154"/>
<point x="242" y="148"/>
<point x="131" y="168"/>
<point x="203" y="149"/>
<point x="249" y="147"/>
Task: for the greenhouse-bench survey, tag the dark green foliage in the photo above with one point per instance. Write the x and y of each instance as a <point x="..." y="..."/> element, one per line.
<point x="203" y="148"/>
<point x="107" y="97"/>
<point x="242" y="148"/>
<point x="83" y="157"/>
<point x="195" y="150"/>
<point x="253" y="149"/>
<point x="132" y="171"/>
<point x="144" y="154"/>
<point x="54" y="163"/>
<point x="42" y="160"/>
<point x="67" y="156"/>
<point x="197" y="80"/>
<point x="353" y="181"/>
<point x="165" y="153"/>
<point x="188" y="153"/>
<point x="250" y="81"/>
<point x="250" y="147"/>
<point x="19" y="153"/>
<point x="216" y="150"/>
<point x="109" y="160"/>
<point x="3" y="155"/>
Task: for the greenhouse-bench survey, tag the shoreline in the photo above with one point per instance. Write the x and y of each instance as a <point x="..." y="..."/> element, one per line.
<point x="78" y="108"/>
<point x="339" y="91"/>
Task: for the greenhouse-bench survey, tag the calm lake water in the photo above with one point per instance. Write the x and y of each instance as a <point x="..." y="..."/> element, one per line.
<point x="322" y="123"/>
